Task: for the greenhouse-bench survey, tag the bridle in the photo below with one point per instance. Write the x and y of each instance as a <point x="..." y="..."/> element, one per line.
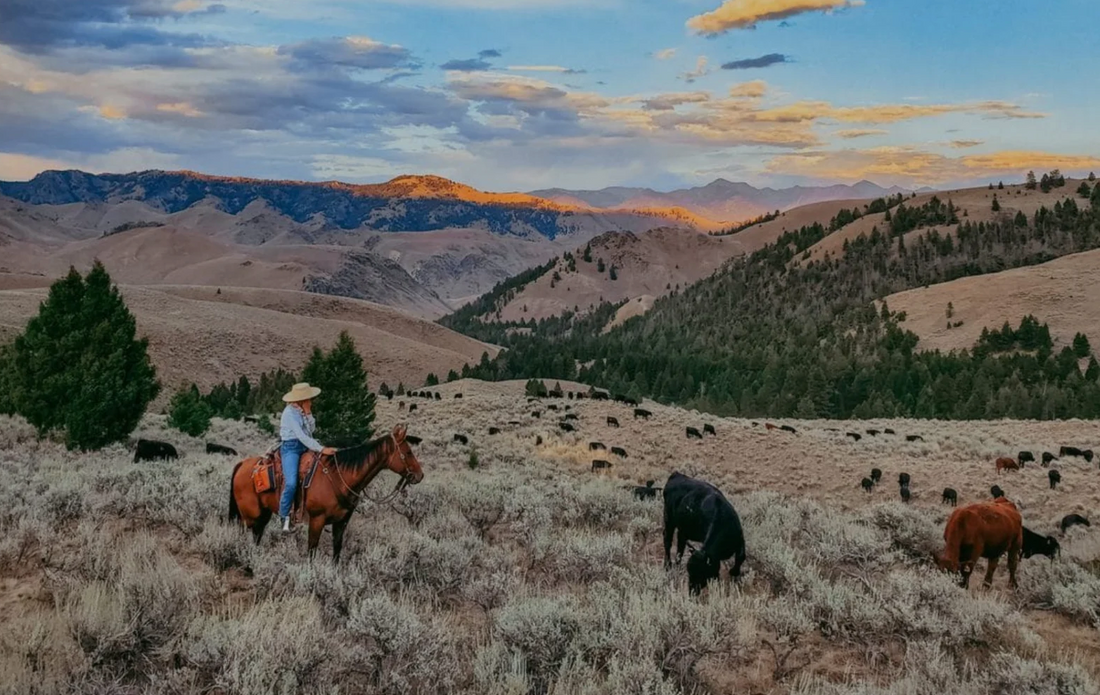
<point x="398" y="489"/>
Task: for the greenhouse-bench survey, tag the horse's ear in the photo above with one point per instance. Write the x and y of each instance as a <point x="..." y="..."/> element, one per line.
<point x="400" y="431"/>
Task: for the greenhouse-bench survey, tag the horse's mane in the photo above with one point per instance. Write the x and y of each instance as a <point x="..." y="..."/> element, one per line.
<point x="353" y="457"/>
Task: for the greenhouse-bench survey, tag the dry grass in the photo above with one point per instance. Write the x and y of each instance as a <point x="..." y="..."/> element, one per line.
<point x="531" y="574"/>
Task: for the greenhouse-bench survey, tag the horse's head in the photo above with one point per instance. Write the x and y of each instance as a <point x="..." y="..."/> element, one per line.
<point x="402" y="460"/>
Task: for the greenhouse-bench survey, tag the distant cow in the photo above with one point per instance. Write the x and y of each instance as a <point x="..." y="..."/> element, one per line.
<point x="598" y="464"/>
<point x="876" y="475"/>
<point x="888" y="431"/>
<point x="212" y="448"/>
<point x="618" y="451"/>
<point x="458" y="395"/>
<point x="867" y="484"/>
<point x="514" y="422"/>
<point x="647" y="491"/>
<point x="1073" y="520"/>
<point x="770" y="426"/>
<point x="692" y="432"/>
<point x="552" y="406"/>
<point x="152" y="450"/>
<point x="494" y="430"/>
<point x="641" y="413"/>
<point x="1005" y="463"/>
<point x="600" y="395"/>
<point x="985" y="529"/>
<point x="903" y="479"/>
<point x="619" y="398"/>
<point x="400" y="405"/>
<point x="612" y="422"/>
<point x="596" y="446"/>
<point x="709" y="429"/>
<point x="697" y="511"/>
<point x="873" y="433"/>
<point x="462" y="439"/>
<point x="1087" y="453"/>
<point x="855" y="437"/>
<point x="1025" y="457"/>
<point x="536" y="413"/>
<point x="538" y="440"/>
<point x="388" y="395"/>
<point x="438" y="397"/>
<point x="950" y="496"/>
<point x="905" y="494"/>
<point x="1074" y="451"/>
<point x="566" y="427"/>
<point x="1048" y="457"/>
<point x="570" y="416"/>
<point x="1054" y="477"/>
<point x="996" y="492"/>
<point x="914" y="438"/>
<point x="412" y="408"/>
<point x="569" y="395"/>
<point x="788" y="428"/>
<point x="1038" y="544"/>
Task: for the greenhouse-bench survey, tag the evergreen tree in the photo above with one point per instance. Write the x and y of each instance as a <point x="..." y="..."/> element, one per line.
<point x="452" y="376"/>
<point x="587" y="257"/>
<point x="1081" y="346"/>
<point x="613" y="273"/>
<point x="600" y="265"/>
<point x="400" y="388"/>
<point x="1044" y="184"/>
<point x="1095" y="199"/>
<point x="345" y="412"/>
<point x="996" y="204"/>
<point x="1021" y="219"/>
<point x="1092" y="374"/>
<point x="189" y="412"/>
<point x="1092" y="176"/>
<point x="78" y="368"/>
<point x="1000" y="185"/>
<point x="950" y="310"/>
<point x="1031" y="182"/>
<point x="431" y="380"/>
<point x="1084" y="191"/>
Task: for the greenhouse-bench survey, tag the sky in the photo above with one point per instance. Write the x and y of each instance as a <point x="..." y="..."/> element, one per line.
<point x="528" y="94"/>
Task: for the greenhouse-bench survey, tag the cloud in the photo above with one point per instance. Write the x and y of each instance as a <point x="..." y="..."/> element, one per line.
<point x="744" y="14"/>
<point x="964" y="144"/>
<point x="545" y="68"/>
<point x="467" y="65"/>
<point x="668" y="102"/>
<point x="41" y="26"/>
<point x="700" y="70"/>
<point x="761" y="62"/>
<point x="489" y="53"/>
<point x="750" y="90"/>
<point x="356" y="52"/>
<point x="665" y="54"/>
<point x="911" y="166"/>
<point x="859" y="133"/>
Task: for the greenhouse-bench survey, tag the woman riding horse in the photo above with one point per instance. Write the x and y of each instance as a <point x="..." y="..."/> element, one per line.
<point x="296" y="432"/>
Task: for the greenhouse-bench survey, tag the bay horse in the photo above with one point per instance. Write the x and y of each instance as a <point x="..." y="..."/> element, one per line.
<point x="338" y="485"/>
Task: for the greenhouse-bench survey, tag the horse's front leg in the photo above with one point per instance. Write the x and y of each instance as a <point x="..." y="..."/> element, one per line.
<point x="316" y="526"/>
<point x="338" y="528"/>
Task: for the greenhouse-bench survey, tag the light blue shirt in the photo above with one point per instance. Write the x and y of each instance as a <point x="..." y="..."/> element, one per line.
<point x="296" y="425"/>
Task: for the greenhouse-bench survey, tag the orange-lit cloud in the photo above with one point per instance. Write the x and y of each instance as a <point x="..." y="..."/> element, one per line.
<point x="908" y="165"/>
<point x="665" y="54"/>
<point x="744" y="14"/>
<point x="964" y="144"/>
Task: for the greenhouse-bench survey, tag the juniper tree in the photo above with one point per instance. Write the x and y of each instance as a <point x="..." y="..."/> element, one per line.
<point x="345" y="408"/>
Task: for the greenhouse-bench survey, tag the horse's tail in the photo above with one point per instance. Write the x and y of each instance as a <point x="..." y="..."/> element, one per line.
<point x="234" y="510"/>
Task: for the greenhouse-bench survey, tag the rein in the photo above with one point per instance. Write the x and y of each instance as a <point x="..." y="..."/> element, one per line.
<point x="358" y="494"/>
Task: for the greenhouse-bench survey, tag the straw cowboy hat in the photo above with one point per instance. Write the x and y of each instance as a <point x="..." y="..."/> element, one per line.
<point x="301" y="392"/>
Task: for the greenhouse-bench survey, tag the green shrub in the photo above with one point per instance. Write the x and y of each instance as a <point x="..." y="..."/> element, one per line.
<point x="189" y="413"/>
<point x="78" y="368"/>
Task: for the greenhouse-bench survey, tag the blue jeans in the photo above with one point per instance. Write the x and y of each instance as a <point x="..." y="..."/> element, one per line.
<point x="291" y="453"/>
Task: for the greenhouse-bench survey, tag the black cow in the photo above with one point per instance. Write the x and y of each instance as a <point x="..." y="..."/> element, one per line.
<point x="867" y="484"/>
<point x="788" y="428"/>
<point x="619" y="398"/>
<point x="412" y="407"/>
<point x="596" y="446"/>
<point x="1036" y="544"/>
<point x="709" y="429"/>
<point x="597" y="464"/>
<point x="692" y="432"/>
<point x="569" y="395"/>
<point x="903" y="479"/>
<point x="1055" y="477"/>
<point x="1048" y="457"/>
<point x="152" y="450"/>
<point x="536" y="413"/>
<point x="389" y="395"/>
<point x="697" y="511"/>
<point x="600" y="395"/>
<point x="612" y="422"/>
<point x="1087" y="453"/>
<point x="494" y="430"/>
<point x="914" y="438"/>
<point x="1073" y="520"/>
<point x="400" y="405"/>
<point x="950" y="496"/>
<point x="514" y="422"/>
<point x="570" y="416"/>
<point x="458" y="395"/>
<point x="1070" y="451"/>
<point x="647" y="491"/>
<point x="996" y="491"/>
<point x="888" y="431"/>
<point x="212" y="448"/>
<point x="905" y="494"/>
<point x="618" y="451"/>
<point x="876" y="475"/>
<point x="641" y="413"/>
<point x="566" y="427"/>
<point x="1024" y="457"/>
<point x="438" y="397"/>
<point x="538" y="440"/>
<point x="873" y="433"/>
<point x="462" y="439"/>
<point x="552" y="406"/>
<point x="568" y="407"/>
<point x="855" y="437"/>
<point x="411" y="439"/>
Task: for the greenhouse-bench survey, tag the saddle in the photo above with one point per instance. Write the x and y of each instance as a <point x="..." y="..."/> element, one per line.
<point x="267" y="476"/>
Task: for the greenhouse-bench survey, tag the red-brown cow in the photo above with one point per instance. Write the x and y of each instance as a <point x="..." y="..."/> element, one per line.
<point x="769" y="426"/>
<point x="985" y="529"/>
<point x="1005" y="463"/>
